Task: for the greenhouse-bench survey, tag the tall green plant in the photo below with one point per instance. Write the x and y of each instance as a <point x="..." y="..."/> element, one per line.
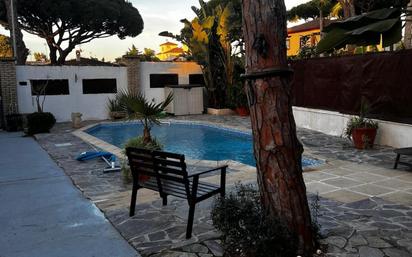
<point x="138" y="107"/>
<point x="210" y="37"/>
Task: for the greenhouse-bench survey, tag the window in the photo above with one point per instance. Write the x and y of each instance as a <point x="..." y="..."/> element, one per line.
<point x="99" y="86"/>
<point x="196" y="79"/>
<point x="162" y="80"/>
<point x="50" y="87"/>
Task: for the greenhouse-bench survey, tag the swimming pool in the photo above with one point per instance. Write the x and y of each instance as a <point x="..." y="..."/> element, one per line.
<point x="195" y="141"/>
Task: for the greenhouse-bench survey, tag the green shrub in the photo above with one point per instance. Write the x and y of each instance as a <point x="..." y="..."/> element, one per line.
<point x="247" y="230"/>
<point x="40" y="122"/>
<point x="137" y="142"/>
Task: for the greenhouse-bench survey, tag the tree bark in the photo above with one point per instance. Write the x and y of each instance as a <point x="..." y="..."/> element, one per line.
<point x="408" y="28"/>
<point x="147" y="138"/>
<point x="276" y="146"/>
<point x="53" y="54"/>
<point x="21" y="50"/>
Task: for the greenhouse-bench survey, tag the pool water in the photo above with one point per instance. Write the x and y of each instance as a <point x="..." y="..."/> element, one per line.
<point x="195" y="141"/>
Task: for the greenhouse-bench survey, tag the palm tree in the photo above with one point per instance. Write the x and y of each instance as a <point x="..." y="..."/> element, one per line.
<point x="138" y="107"/>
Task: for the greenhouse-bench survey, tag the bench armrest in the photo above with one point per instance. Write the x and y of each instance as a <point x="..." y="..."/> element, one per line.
<point x="221" y="168"/>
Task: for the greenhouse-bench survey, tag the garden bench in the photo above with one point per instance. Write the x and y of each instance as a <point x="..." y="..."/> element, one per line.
<point x="402" y="151"/>
<point x="167" y="174"/>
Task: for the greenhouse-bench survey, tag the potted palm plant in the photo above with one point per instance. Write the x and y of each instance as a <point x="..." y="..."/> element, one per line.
<point x="362" y="130"/>
<point x="138" y="107"/>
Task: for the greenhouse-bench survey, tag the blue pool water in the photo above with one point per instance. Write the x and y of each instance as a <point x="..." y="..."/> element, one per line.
<point x="195" y="141"/>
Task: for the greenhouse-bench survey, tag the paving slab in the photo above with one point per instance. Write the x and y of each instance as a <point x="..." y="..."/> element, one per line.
<point x="43" y="214"/>
<point x="344" y="196"/>
<point x="357" y="221"/>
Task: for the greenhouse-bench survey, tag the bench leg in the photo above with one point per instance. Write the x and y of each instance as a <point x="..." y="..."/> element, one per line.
<point x="222" y="193"/>
<point x="133" y="200"/>
<point x="164" y="198"/>
<point x="398" y="156"/>
<point x="190" y="221"/>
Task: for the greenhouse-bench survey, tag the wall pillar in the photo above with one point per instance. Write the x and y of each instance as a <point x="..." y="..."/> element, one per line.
<point x="8" y="87"/>
<point x="133" y="72"/>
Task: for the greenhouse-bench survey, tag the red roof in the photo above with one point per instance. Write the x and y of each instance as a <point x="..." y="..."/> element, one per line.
<point x="310" y="25"/>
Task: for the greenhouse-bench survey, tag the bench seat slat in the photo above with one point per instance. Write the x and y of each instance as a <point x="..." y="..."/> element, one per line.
<point x="173" y="188"/>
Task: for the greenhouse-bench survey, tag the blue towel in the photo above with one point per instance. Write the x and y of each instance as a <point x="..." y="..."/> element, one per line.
<point x="96" y="154"/>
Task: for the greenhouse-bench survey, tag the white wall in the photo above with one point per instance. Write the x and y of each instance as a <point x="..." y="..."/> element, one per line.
<point x="92" y="106"/>
<point x="334" y="123"/>
<point x="183" y="69"/>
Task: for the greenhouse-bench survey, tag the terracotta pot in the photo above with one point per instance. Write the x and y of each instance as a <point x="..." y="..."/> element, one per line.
<point x="364" y="137"/>
<point x="242" y="111"/>
<point x="117" y="115"/>
<point x="143" y="178"/>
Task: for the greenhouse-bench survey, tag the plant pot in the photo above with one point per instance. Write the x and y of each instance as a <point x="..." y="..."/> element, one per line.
<point x="364" y="137"/>
<point x="117" y="115"/>
<point x="242" y="111"/>
<point x="215" y="111"/>
<point x="143" y="178"/>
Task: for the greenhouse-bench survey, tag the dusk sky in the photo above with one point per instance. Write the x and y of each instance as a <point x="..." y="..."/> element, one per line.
<point x="158" y="15"/>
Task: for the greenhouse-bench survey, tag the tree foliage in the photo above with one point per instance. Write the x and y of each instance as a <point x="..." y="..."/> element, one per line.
<point x="214" y="39"/>
<point x="5" y="47"/>
<point x="66" y="24"/>
<point x="40" y="57"/>
<point x="310" y="10"/>
<point x="148" y="55"/>
<point x="367" y="29"/>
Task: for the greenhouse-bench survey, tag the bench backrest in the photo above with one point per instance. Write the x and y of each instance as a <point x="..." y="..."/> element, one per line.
<point x="157" y="164"/>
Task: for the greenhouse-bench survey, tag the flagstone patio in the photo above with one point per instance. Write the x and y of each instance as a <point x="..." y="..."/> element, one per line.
<point x="366" y="207"/>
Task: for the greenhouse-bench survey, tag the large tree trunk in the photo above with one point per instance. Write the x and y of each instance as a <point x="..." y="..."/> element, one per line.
<point x="408" y="28"/>
<point x="21" y="52"/>
<point x="276" y="146"/>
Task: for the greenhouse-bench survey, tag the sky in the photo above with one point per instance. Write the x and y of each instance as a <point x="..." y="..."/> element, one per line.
<point x="158" y="16"/>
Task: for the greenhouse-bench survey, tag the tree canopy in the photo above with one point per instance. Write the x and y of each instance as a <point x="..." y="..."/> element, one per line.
<point x="65" y="24"/>
<point x="310" y="10"/>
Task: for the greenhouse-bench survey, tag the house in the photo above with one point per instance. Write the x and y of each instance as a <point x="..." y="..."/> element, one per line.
<point x="170" y="51"/>
<point x="306" y="34"/>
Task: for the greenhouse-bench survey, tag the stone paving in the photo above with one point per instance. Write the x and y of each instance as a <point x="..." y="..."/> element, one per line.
<point x="353" y="220"/>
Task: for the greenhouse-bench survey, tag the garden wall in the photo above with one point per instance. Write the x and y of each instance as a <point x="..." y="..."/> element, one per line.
<point x="334" y="123"/>
<point x="91" y="105"/>
<point x="339" y="84"/>
<point x="91" y="102"/>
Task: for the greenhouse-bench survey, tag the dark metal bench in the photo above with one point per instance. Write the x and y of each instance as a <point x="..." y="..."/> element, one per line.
<point x="167" y="174"/>
<point x="402" y="151"/>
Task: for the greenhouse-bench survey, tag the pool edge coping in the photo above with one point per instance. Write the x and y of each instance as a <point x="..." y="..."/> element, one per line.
<point x="99" y="143"/>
